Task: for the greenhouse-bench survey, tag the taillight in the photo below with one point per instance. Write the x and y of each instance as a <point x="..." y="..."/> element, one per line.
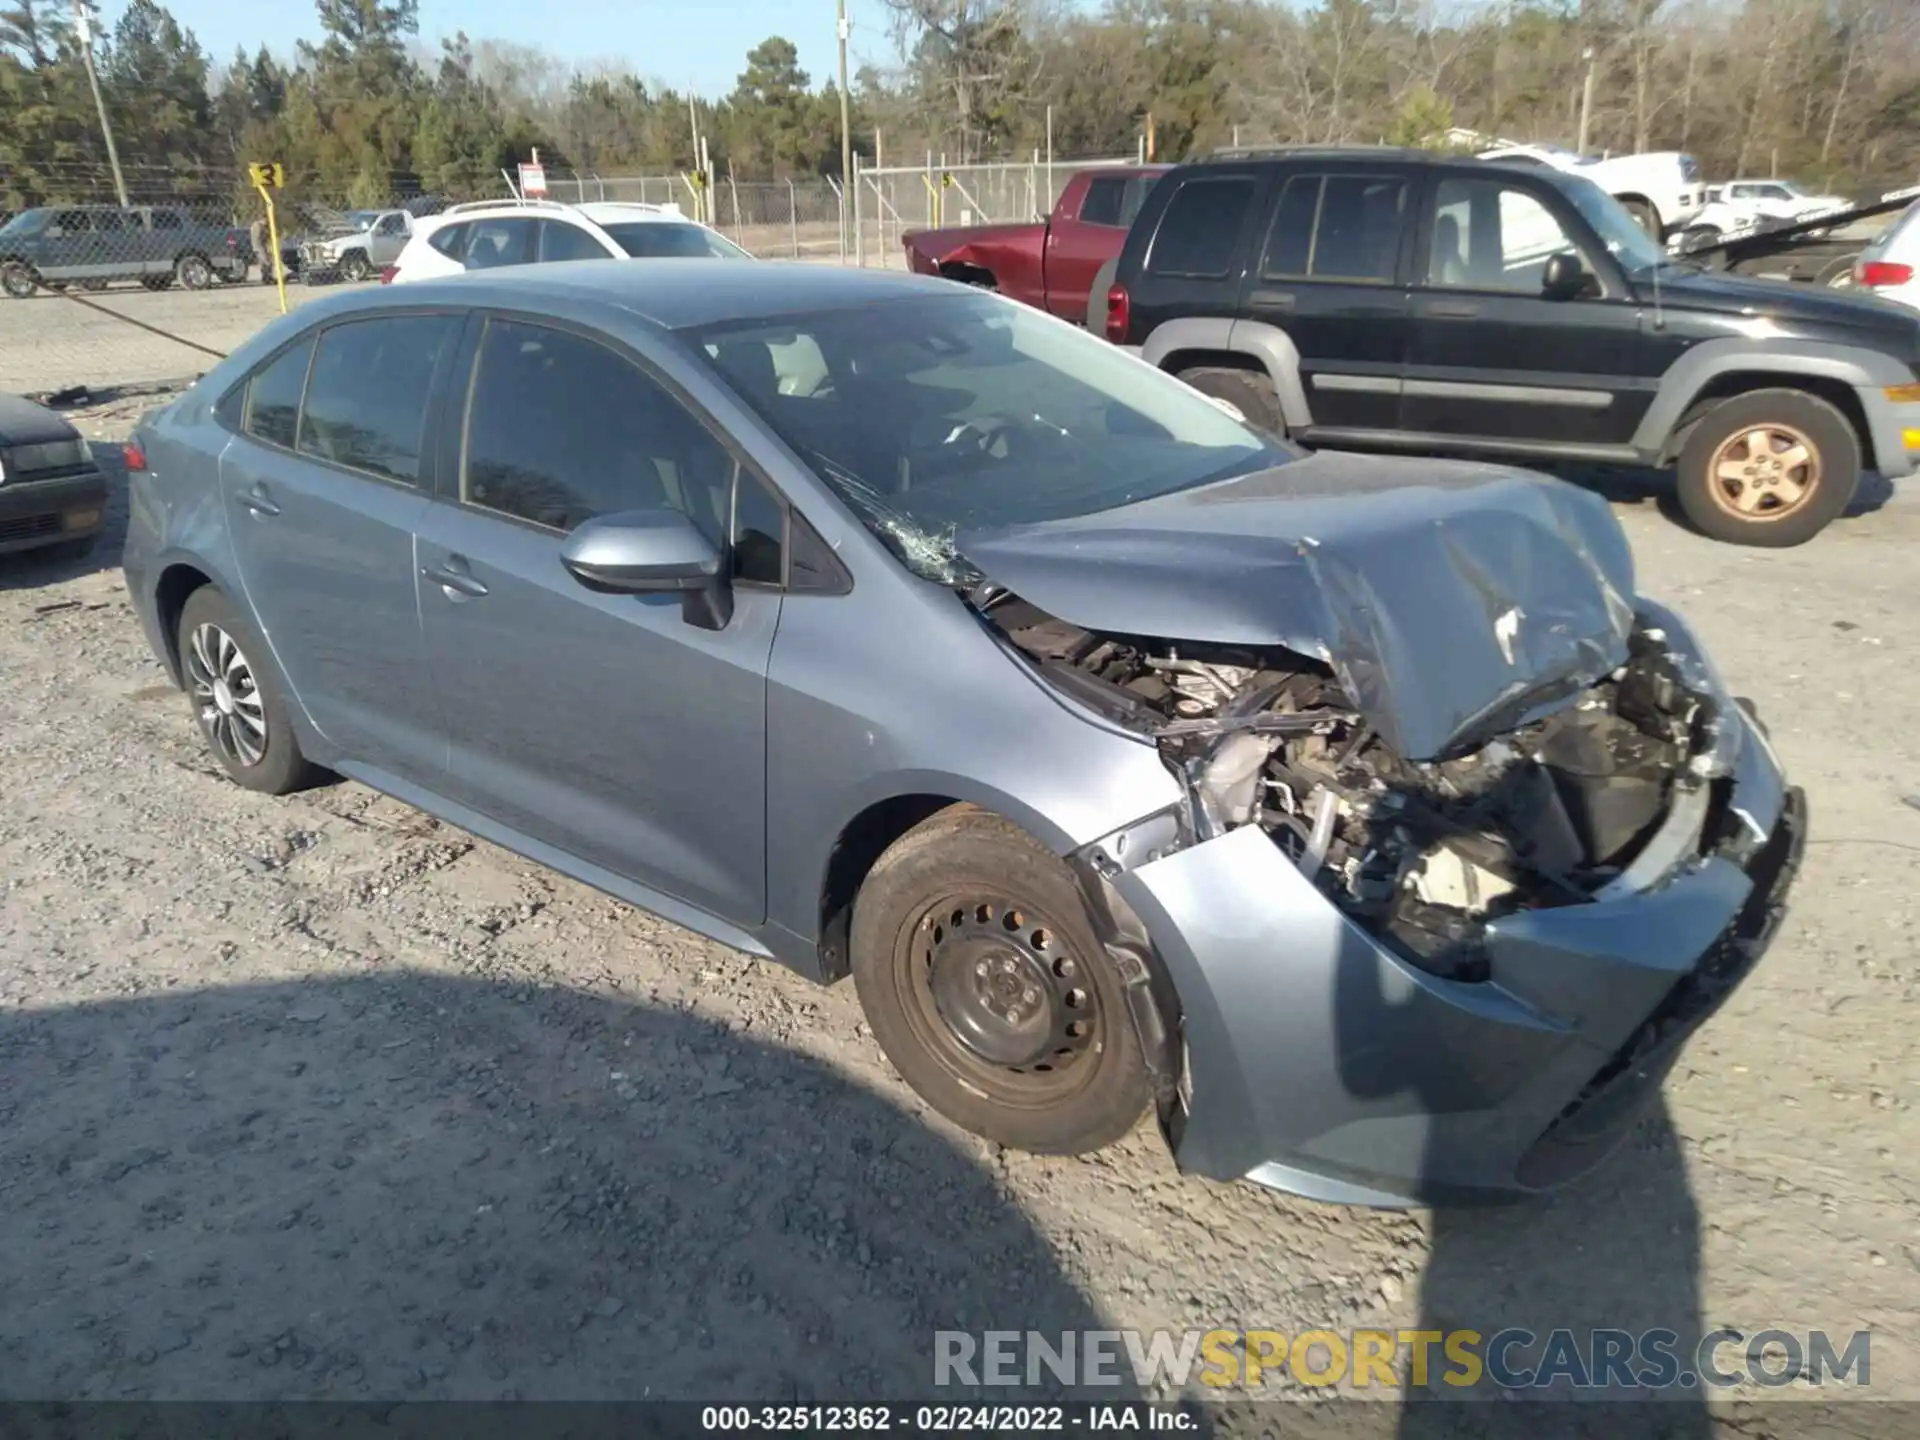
<point x="135" y="457"/>
<point x="390" y="274"/>
<point x="1881" y="273"/>
<point x="1119" y="313"/>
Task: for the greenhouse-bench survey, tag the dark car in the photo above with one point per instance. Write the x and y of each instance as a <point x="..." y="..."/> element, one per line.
<point x="94" y="245"/>
<point x="1355" y="813"/>
<point x="52" y="494"/>
<point x="1403" y="300"/>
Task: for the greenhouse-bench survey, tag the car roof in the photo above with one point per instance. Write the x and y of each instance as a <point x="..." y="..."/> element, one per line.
<point x="675" y="294"/>
<point x="600" y="212"/>
<point x="608" y="212"/>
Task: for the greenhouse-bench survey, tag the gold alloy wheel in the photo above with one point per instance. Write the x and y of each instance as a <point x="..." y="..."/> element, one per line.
<point x="1765" y="472"/>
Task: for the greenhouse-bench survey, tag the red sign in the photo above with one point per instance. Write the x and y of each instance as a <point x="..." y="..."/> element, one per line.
<point x="533" y="181"/>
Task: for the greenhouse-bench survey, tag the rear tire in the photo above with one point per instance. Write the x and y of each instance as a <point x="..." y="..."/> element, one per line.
<point x="1249" y="391"/>
<point x="1769" y="468"/>
<point x="979" y="970"/>
<point x="236" y="699"/>
<point x="194" y="272"/>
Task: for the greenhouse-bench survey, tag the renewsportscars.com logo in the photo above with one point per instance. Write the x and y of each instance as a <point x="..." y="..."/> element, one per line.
<point x="1511" y="1359"/>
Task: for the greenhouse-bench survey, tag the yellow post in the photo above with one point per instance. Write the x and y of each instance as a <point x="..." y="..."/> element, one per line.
<point x="263" y="177"/>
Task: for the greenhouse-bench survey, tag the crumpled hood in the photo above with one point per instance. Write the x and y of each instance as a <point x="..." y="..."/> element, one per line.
<point x="1451" y="599"/>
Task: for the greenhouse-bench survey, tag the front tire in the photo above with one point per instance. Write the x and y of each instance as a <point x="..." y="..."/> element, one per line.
<point x="1769" y="468"/>
<point x="979" y="970"/>
<point x="17" y="279"/>
<point x="355" y="267"/>
<point x="1249" y="392"/>
<point x="236" y="701"/>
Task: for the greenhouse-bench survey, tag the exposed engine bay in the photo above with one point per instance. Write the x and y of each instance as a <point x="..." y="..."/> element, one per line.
<point x="1420" y="853"/>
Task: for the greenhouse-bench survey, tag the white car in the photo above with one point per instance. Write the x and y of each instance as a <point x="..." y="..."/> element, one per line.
<point x="492" y="233"/>
<point x="1660" y="189"/>
<point x="1890" y="266"/>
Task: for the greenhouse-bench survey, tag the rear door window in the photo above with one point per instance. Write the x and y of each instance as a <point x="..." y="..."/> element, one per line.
<point x="1337" y="227"/>
<point x="366" y="402"/>
<point x="509" y="240"/>
<point x="1200" y="230"/>
<point x="561" y="241"/>
<point x="1104" y="200"/>
<point x="273" y="396"/>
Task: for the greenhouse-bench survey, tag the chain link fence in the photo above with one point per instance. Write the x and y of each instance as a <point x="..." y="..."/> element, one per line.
<point x="97" y="292"/>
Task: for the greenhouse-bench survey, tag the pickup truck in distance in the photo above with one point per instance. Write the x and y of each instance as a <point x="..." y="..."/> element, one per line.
<point x="1058" y="264"/>
<point x="94" y="245"/>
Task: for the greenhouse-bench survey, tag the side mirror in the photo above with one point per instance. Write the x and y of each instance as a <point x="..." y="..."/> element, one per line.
<point x="1565" y="278"/>
<point x="651" y="552"/>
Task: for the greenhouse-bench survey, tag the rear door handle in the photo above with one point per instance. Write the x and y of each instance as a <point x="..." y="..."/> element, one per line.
<point x="454" y="578"/>
<point x="1273" y="299"/>
<point x="1452" y="309"/>
<point x="258" y="501"/>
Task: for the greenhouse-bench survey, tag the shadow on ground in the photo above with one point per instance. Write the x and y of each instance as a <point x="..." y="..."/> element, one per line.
<point x="1618" y="1250"/>
<point x="413" y="1187"/>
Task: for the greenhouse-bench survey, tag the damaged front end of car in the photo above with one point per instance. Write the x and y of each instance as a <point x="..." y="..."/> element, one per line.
<point x="1450" y="977"/>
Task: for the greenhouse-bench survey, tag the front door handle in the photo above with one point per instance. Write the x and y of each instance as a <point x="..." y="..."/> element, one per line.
<point x="1273" y="299"/>
<point x="1453" y="309"/>
<point x="455" y="579"/>
<point x="258" y="501"/>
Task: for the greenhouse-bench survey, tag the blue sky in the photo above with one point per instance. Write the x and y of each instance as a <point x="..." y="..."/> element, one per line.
<point x="697" y="43"/>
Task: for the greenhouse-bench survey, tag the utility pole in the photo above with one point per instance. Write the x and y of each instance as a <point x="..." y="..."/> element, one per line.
<point x="846" y="122"/>
<point x="1586" y="100"/>
<point x="84" y="18"/>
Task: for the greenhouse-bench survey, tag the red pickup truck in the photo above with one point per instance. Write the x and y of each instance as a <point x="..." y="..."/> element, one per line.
<point x="1053" y="264"/>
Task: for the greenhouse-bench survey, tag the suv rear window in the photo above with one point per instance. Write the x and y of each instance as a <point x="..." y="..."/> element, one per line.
<point x="1200" y="229"/>
<point x="1337" y="227"/>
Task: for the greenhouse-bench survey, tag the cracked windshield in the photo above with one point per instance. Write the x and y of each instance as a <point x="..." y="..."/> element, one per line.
<point x="965" y="413"/>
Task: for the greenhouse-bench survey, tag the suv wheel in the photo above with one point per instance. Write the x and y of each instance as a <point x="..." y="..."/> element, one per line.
<point x="194" y="272"/>
<point x="17" y="279"/>
<point x="1249" y="392"/>
<point x="354" y="266"/>
<point x="979" y="970"/>
<point x="235" y="701"/>
<point x="1771" y="467"/>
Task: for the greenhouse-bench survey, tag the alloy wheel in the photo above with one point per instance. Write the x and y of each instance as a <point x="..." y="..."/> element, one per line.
<point x="226" y="696"/>
<point x="1765" y="472"/>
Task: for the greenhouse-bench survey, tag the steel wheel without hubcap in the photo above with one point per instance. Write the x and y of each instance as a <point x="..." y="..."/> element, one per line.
<point x="998" y="998"/>
<point x="226" y="696"/>
<point x="1764" y="473"/>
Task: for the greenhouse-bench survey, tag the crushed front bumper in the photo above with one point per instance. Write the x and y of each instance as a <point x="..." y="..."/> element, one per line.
<point x="34" y="513"/>
<point x="1320" y="1062"/>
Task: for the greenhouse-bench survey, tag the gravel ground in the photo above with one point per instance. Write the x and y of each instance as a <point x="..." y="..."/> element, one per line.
<point x="318" y="1097"/>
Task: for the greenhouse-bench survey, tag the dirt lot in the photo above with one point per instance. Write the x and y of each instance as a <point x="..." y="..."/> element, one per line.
<point x="317" y="1097"/>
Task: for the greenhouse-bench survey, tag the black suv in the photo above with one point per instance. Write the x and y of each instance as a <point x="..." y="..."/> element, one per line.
<point x="1387" y="298"/>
